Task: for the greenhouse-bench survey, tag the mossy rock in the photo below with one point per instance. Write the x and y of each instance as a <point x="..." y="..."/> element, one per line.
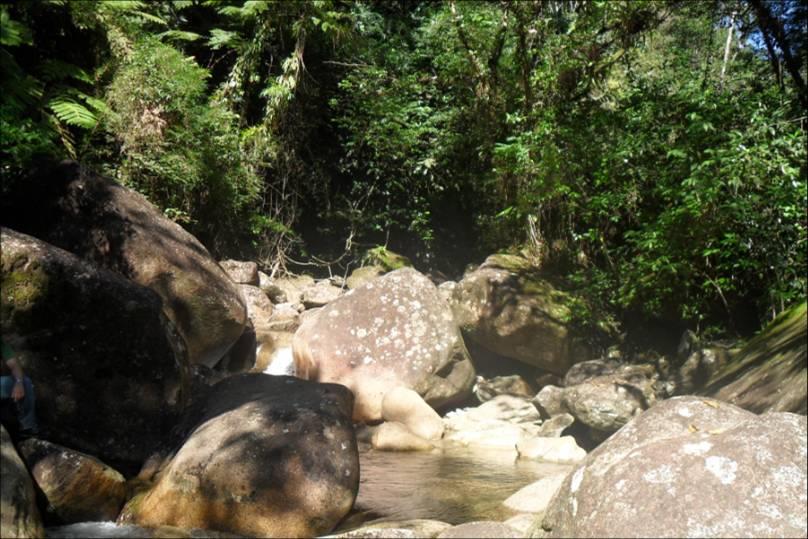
<point x="384" y="257"/>
<point x="770" y="372"/>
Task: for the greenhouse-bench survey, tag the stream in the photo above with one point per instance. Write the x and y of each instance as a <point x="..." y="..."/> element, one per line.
<point x="453" y="484"/>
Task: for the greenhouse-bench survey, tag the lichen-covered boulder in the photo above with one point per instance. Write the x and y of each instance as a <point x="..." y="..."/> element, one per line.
<point x="77" y="487"/>
<point x="393" y="331"/>
<point x="509" y="309"/>
<point x="109" y="368"/>
<point x="690" y="467"/>
<point x="486" y="389"/>
<point x="265" y="456"/>
<point x="116" y="228"/>
<point x="288" y="289"/>
<point x="19" y="516"/>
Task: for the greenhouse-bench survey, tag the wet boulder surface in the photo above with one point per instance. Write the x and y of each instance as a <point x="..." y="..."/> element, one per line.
<point x="689" y="467"/>
<point x="259" y="455"/>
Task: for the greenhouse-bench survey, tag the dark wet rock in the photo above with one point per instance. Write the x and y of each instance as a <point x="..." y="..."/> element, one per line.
<point x="19" y="516"/>
<point x="77" y="487"/>
<point x="690" y="467"/>
<point x="393" y="331"/>
<point x="108" y="367"/>
<point x="267" y="456"/>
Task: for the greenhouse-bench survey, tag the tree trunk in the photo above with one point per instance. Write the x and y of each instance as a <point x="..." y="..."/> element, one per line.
<point x="726" y="51"/>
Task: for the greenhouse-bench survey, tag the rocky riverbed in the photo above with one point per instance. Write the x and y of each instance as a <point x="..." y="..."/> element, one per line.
<point x="178" y="394"/>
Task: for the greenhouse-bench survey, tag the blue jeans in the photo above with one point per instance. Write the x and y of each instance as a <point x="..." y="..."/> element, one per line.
<point x="26" y="408"/>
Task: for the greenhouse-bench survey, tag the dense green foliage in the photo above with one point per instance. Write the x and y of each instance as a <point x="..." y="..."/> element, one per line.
<point x="653" y="153"/>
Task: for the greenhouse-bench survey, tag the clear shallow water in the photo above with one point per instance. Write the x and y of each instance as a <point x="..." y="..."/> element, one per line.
<point x="454" y="485"/>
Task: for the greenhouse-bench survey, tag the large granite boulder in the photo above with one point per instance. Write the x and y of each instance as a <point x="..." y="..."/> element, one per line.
<point x="19" y="516"/>
<point x="770" y="373"/>
<point x="506" y="307"/>
<point x="109" y="368"/>
<point x="265" y="456"/>
<point x="689" y="467"/>
<point x="116" y="228"/>
<point x="393" y="331"/>
<point x="76" y="486"/>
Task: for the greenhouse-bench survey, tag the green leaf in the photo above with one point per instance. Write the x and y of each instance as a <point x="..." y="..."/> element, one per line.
<point x="13" y="33"/>
<point x="71" y="112"/>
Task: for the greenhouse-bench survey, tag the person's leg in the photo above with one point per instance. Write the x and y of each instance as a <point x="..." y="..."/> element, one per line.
<point x="6" y="385"/>
<point x="27" y="408"/>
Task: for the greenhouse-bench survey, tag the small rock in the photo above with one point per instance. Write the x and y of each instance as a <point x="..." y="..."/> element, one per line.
<point x="585" y="370"/>
<point x="555" y="426"/>
<point x="562" y="450"/>
<point x="407" y="407"/>
<point x="360" y="276"/>
<point x="521" y="523"/>
<point x="535" y="497"/>
<point x="486" y="389"/>
<point x="420" y="528"/>
<point x="394" y="436"/>
<point x="320" y="294"/>
<point x="550" y="401"/>
<point x="241" y="272"/>
<point x="78" y="487"/>
<point x="483" y="529"/>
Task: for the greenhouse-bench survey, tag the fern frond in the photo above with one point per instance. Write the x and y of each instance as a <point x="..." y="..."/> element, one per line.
<point x="13" y="33"/>
<point x="223" y="38"/>
<point x="179" y="35"/>
<point x="56" y="70"/>
<point x="71" y="112"/>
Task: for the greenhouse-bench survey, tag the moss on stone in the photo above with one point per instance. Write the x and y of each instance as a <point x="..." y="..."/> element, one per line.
<point x="23" y="288"/>
<point x="386" y="258"/>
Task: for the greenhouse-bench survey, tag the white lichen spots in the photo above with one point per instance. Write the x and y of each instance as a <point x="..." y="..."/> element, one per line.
<point x="721" y="467"/>
<point x="575" y="484"/>
<point x="684" y="411"/>
<point x="400" y="309"/>
<point x="367" y="360"/>
<point x="699" y="448"/>
<point x="334" y="313"/>
<point x="663" y="474"/>
<point x="378" y="321"/>
<point x="343" y="446"/>
<point x="361" y="333"/>
<point x="620" y="485"/>
<point x="763" y="455"/>
<point x="347" y="473"/>
<point x="788" y="476"/>
<point x="574" y="506"/>
<point x="771" y="511"/>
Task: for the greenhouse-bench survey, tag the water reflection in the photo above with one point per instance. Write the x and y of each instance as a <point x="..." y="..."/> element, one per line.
<point x="454" y="485"/>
